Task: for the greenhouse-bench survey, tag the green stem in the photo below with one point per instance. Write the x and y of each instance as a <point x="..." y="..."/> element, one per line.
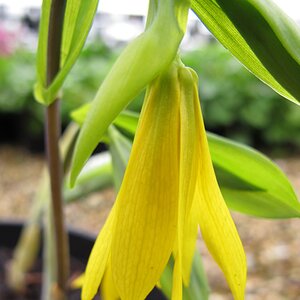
<point x="52" y="128"/>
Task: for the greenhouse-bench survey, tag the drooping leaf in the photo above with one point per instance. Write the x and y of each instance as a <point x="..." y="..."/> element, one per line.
<point x="261" y="36"/>
<point x="96" y="175"/>
<point x="120" y="148"/>
<point x="78" y="19"/>
<point x="250" y="182"/>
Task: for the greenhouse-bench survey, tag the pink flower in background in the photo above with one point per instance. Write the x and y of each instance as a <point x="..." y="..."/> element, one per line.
<point x="7" y="42"/>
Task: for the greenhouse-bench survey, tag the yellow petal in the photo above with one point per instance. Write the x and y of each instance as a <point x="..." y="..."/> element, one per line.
<point x="146" y="219"/>
<point x="189" y="245"/>
<point x="189" y="160"/>
<point x="98" y="259"/>
<point x="77" y="283"/>
<point x="189" y="164"/>
<point x="108" y="288"/>
<point x="183" y="262"/>
<point x="189" y="168"/>
<point x="217" y="227"/>
<point x="177" y="279"/>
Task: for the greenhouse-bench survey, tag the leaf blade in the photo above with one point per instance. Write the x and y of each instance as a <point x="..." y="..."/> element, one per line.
<point x="261" y="47"/>
<point x="77" y="22"/>
<point x="254" y="179"/>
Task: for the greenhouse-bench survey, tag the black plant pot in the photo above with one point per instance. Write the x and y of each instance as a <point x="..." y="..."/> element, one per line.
<point x="80" y="244"/>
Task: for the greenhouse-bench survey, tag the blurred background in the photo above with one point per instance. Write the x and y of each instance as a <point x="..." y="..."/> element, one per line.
<point x="235" y="104"/>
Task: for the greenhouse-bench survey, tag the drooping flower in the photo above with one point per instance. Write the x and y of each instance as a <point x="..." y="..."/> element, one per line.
<point x="169" y="187"/>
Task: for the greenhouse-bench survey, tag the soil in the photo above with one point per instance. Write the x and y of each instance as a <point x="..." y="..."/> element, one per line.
<point x="272" y="246"/>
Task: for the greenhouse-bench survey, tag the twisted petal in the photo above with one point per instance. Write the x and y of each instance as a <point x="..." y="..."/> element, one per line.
<point x="189" y="164"/>
<point x="146" y="219"/>
<point x="189" y="168"/>
<point x="217" y="227"/>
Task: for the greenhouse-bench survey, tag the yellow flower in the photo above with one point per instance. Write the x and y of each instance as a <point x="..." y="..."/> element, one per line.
<point x="169" y="187"/>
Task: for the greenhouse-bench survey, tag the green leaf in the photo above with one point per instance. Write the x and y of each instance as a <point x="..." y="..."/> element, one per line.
<point x="41" y="56"/>
<point x="78" y="19"/>
<point x="126" y="121"/>
<point x="198" y="287"/>
<point x="140" y="62"/>
<point x="120" y="148"/>
<point x="79" y="115"/>
<point x="261" y="36"/>
<point x="95" y="176"/>
<point x="252" y="183"/>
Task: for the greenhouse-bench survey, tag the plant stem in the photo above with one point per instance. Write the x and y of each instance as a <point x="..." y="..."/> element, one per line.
<point x="52" y="131"/>
<point x="55" y="172"/>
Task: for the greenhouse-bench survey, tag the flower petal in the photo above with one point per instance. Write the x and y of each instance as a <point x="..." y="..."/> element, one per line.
<point x="177" y="279"/>
<point x="183" y="262"/>
<point x="146" y="219"/>
<point x="98" y="259"/>
<point x="189" y="168"/>
<point x="189" y="245"/>
<point x="189" y="164"/>
<point x="217" y="227"/>
<point x="108" y="288"/>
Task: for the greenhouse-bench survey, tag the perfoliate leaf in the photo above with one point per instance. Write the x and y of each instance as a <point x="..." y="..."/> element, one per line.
<point x="250" y="182"/>
<point x="78" y="19"/>
<point x="261" y="36"/>
<point x="141" y="61"/>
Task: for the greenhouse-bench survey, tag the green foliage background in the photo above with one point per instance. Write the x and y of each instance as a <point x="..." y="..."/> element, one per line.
<point x="235" y="103"/>
<point x="238" y="105"/>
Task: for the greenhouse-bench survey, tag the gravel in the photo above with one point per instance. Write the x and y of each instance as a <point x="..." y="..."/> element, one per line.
<point x="272" y="246"/>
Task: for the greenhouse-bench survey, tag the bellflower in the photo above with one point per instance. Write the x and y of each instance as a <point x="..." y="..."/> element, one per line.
<point x="169" y="188"/>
